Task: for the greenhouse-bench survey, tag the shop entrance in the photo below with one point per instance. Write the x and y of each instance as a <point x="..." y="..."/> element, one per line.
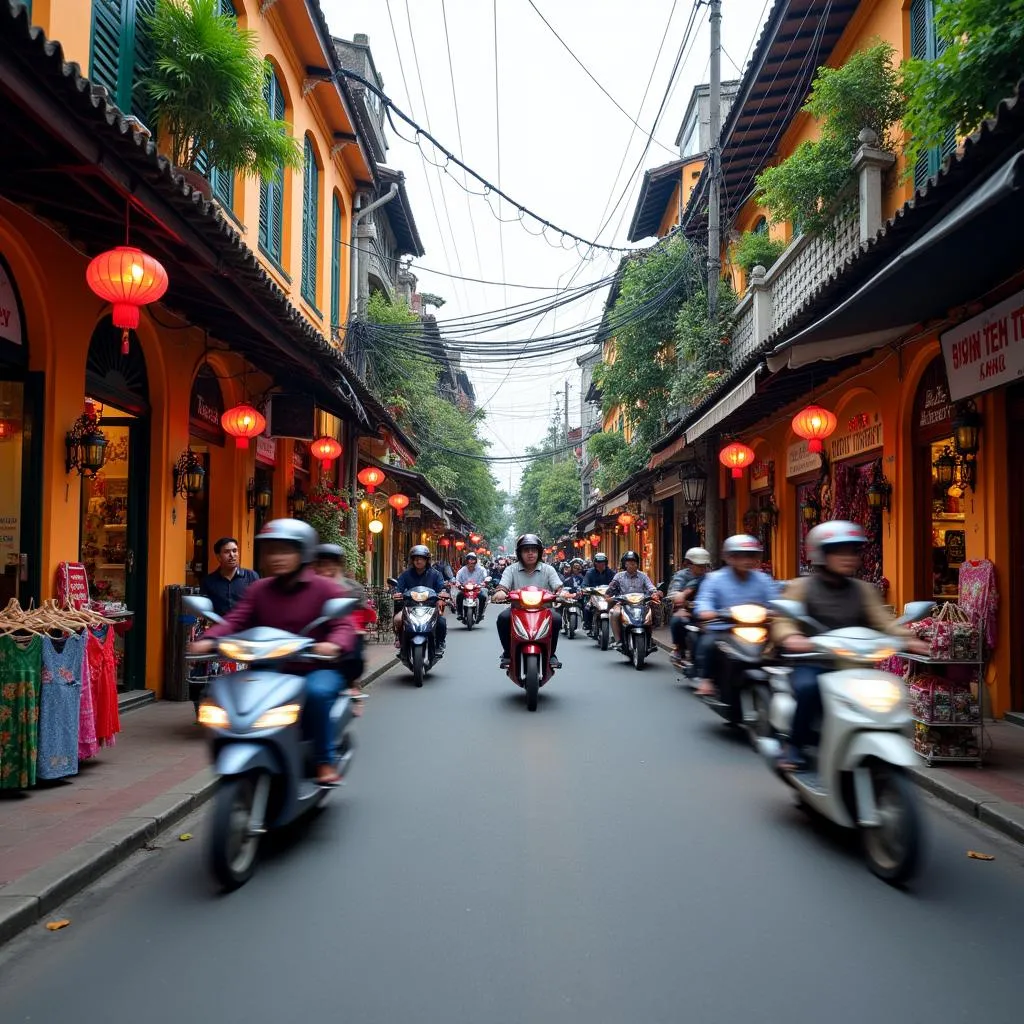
<point x="113" y="538"/>
<point x="1015" y="469"/>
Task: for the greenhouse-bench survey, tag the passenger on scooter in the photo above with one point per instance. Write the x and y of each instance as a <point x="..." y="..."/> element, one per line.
<point x="290" y="597"/>
<point x="471" y="572"/>
<point x="574" y="578"/>
<point x="421" y="574"/>
<point x="739" y="581"/>
<point x="682" y="592"/>
<point x="598" y="575"/>
<point x="630" y="581"/>
<point x="834" y="597"/>
<point x="528" y="571"/>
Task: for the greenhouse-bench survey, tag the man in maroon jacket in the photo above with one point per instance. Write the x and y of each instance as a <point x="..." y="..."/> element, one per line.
<point x="290" y="597"/>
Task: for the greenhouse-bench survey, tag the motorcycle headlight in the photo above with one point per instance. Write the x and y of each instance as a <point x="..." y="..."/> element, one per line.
<point x="878" y="695"/>
<point x="531" y="598"/>
<point x="278" y="718"/>
<point x="602" y="605"/>
<point x="250" y="650"/>
<point x="635" y="598"/>
<point x="748" y="614"/>
<point x="752" y="634"/>
<point x="213" y="715"/>
<point x="419" y="595"/>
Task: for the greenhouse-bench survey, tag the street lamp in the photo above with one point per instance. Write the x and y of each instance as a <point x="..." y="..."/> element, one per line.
<point x="694" y="481"/>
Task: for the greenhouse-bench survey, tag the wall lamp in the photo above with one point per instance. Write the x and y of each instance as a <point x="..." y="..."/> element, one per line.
<point x="259" y="496"/>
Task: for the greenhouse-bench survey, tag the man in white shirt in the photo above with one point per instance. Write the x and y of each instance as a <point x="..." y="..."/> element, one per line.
<point x="471" y="572"/>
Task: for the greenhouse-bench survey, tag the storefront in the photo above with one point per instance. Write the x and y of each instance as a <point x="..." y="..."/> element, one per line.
<point x="196" y="474"/>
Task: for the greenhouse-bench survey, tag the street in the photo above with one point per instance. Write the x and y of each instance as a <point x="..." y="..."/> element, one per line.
<point x="616" y="857"/>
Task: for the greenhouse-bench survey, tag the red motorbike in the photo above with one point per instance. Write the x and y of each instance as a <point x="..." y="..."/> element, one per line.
<point x="471" y="603"/>
<point x="530" y="651"/>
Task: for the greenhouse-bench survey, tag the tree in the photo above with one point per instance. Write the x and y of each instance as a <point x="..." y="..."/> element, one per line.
<point x="703" y="348"/>
<point x="548" y="498"/>
<point x="980" y="63"/>
<point x="617" y="459"/>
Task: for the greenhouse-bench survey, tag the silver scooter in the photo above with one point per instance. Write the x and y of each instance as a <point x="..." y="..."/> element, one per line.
<point x="262" y="761"/>
<point x="859" y="778"/>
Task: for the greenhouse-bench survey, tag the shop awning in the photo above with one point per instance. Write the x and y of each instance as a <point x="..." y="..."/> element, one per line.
<point x="668" y="488"/>
<point x="434" y="507"/>
<point x="962" y="255"/>
<point x="660" y="458"/>
<point x="743" y="392"/>
<point x="614" y="502"/>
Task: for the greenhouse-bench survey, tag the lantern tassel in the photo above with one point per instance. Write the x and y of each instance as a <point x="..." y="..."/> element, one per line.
<point x="124" y="342"/>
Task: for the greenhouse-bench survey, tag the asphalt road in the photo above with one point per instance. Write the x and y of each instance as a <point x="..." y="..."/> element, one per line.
<point x="616" y="857"/>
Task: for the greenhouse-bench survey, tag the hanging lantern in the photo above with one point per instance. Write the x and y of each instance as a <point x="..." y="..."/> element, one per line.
<point x="86" y="443"/>
<point x="626" y="520"/>
<point x="475" y="538"/>
<point x="814" y="424"/>
<point x="694" y="482"/>
<point x="375" y="526"/>
<point x="736" y="457"/>
<point x="326" y="449"/>
<point x="399" y="502"/>
<point x="945" y="469"/>
<point x="130" y="279"/>
<point x="595" y="539"/>
<point x="371" y="478"/>
<point x="460" y="545"/>
<point x="189" y="474"/>
<point x="444" y="542"/>
<point x="967" y="429"/>
<point x="242" y="422"/>
<point x="8" y="429"/>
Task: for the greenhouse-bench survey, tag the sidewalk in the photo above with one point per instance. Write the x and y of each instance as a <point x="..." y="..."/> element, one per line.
<point x="59" y="837"/>
<point x="993" y="793"/>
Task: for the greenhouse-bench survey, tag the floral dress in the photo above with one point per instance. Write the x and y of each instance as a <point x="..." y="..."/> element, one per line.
<point x="19" y="711"/>
<point x="60" y="706"/>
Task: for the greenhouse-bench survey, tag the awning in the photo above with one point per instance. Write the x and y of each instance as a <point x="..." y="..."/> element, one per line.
<point x="668" y="488"/>
<point x="591" y="526"/>
<point x="961" y="256"/>
<point x="614" y="502"/>
<point x="436" y="509"/>
<point x="666" y="453"/>
<point x="743" y="392"/>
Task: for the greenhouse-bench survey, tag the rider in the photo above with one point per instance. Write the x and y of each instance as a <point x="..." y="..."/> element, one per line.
<point x="527" y="571"/>
<point x="290" y="597"/>
<point x="739" y="581"/>
<point x="471" y="572"/>
<point x="837" y="600"/>
<point x="421" y="574"/>
<point x="331" y="563"/>
<point x="598" y="575"/>
<point x="630" y="581"/>
<point x="682" y="591"/>
<point x="574" y="578"/>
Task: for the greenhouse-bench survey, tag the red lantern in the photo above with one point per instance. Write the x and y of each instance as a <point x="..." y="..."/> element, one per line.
<point x="595" y="539"/>
<point x="444" y="542"/>
<point x="371" y="478"/>
<point x="243" y="422"/>
<point x="326" y="449"/>
<point x="475" y="538"/>
<point x="736" y="457"/>
<point x="399" y="502"/>
<point x="626" y="520"/>
<point x="128" y="278"/>
<point x="814" y="424"/>
<point x="459" y="545"/>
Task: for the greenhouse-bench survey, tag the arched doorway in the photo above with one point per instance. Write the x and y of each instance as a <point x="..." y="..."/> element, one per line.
<point x="113" y="539"/>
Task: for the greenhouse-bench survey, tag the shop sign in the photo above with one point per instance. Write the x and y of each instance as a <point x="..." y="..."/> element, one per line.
<point x="987" y="350"/>
<point x="10" y="540"/>
<point x="266" y="450"/>
<point x="799" y="460"/>
<point x="863" y="433"/>
<point x="300" y="458"/>
<point x="72" y="584"/>
<point x="761" y="475"/>
<point x="933" y="409"/>
<point x="413" y="513"/>
<point x="11" y="329"/>
<point x="206" y="407"/>
<point x="400" y="451"/>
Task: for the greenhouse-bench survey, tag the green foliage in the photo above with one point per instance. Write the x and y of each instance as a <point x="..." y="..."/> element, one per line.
<point x="809" y="187"/>
<point x="981" y="65"/>
<point x="757" y="249"/>
<point x="548" y="498"/>
<point x="703" y="348"/>
<point x="206" y="83"/>
<point x="618" y="460"/>
<point x="327" y="512"/>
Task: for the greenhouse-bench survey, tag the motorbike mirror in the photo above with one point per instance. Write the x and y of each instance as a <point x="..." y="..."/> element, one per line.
<point x="796" y="611"/>
<point x="914" y="611"/>
<point x="392" y="582"/>
<point x="333" y="608"/>
<point x="202" y="606"/>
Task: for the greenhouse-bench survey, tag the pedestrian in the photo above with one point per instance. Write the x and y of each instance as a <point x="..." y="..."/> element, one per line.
<point x="229" y="581"/>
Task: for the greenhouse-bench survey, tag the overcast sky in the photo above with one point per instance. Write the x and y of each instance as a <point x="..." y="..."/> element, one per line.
<point x="561" y="145"/>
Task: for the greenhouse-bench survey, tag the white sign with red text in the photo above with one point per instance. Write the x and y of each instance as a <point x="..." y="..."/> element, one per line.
<point x="987" y="350"/>
<point x="10" y="315"/>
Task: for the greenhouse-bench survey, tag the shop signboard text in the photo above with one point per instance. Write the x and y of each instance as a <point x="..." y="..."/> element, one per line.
<point x="799" y="460"/>
<point x="10" y="313"/>
<point x="987" y="350"/>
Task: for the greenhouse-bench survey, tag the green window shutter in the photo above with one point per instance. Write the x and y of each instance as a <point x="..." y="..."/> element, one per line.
<point x="272" y="190"/>
<point x="227" y="8"/>
<point x="28" y="8"/>
<point x="926" y="45"/>
<point x="105" y="50"/>
<point x="336" y="264"/>
<point x="139" y="14"/>
<point x="310" y="223"/>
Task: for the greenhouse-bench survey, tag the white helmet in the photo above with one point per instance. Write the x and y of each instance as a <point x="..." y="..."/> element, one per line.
<point x="742" y="544"/>
<point x="834" y="532"/>
<point x="698" y="556"/>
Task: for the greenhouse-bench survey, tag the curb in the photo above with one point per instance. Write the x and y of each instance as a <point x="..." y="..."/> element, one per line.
<point x="27" y="900"/>
<point x="980" y="804"/>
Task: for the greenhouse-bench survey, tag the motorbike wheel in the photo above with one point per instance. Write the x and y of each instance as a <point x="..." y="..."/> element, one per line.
<point x="232" y="850"/>
<point x="531" y="681"/>
<point x="470" y="619"/>
<point x="602" y="639"/>
<point x="572" y="628"/>
<point x="893" y="848"/>
<point x="417" y="664"/>
<point x="639" y="654"/>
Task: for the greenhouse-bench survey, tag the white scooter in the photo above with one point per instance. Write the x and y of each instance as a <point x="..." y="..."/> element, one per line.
<point x="859" y="779"/>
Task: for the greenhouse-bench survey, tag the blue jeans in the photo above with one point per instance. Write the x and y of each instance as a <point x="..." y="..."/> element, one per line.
<point x="804" y="681"/>
<point x="322" y="689"/>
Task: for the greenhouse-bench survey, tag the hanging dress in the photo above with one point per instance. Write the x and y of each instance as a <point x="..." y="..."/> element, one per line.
<point x="60" y="700"/>
<point x="88" y="745"/>
<point x="19" y="711"/>
<point x="103" y="672"/>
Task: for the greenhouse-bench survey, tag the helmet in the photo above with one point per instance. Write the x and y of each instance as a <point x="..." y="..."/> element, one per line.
<point x="333" y="551"/>
<point x="419" y="551"/>
<point x="698" y="556"/>
<point x="600" y="557"/>
<point x="575" y="562"/>
<point x="742" y="544"/>
<point x="471" y="555"/>
<point x="528" y="540"/>
<point x="630" y="556"/>
<point x="826" y="535"/>
<point x="291" y="531"/>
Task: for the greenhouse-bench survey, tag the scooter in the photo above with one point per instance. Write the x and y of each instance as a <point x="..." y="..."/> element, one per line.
<point x="471" y="610"/>
<point x="420" y="612"/>
<point x="636" y="625"/>
<point x="742" y="680"/>
<point x="569" y="603"/>
<point x="530" y="649"/>
<point x="265" y="773"/>
<point x="859" y="770"/>
<point x="600" y="615"/>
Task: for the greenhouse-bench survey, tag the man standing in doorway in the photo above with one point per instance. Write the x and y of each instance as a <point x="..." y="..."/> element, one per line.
<point x="228" y="582"/>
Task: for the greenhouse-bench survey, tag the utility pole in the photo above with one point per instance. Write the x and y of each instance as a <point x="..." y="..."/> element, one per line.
<point x="566" y="439"/>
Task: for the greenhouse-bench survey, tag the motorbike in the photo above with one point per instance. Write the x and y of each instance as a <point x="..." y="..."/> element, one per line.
<point x="600" y="615"/>
<point x="420" y="612"/>
<point x="744" y="690"/>
<point x="265" y="773"/>
<point x="530" y="649"/>
<point x="636" y="623"/>
<point x="858" y="777"/>
<point x="471" y="605"/>
<point x="569" y="604"/>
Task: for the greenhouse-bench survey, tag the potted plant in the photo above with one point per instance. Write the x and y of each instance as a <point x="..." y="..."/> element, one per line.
<point x="206" y="84"/>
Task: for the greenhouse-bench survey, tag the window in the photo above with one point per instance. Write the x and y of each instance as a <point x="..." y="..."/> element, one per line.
<point x="272" y="189"/>
<point x="691" y="138"/>
<point x="227" y="8"/>
<point x="926" y="45"/>
<point x="222" y="182"/>
<point x="335" y="265"/>
<point x="120" y="52"/>
<point x="760" y="227"/>
<point x="310" y="222"/>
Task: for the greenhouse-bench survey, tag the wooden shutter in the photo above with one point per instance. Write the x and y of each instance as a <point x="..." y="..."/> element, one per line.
<point x="272" y="190"/>
<point x="925" y="44"/>
<point x="310" y="223"/>
<point x="227" y="8"/>
<point x="139" y="14"/>
<point x="105" y="51"/>
<point x="336" y="264"/>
